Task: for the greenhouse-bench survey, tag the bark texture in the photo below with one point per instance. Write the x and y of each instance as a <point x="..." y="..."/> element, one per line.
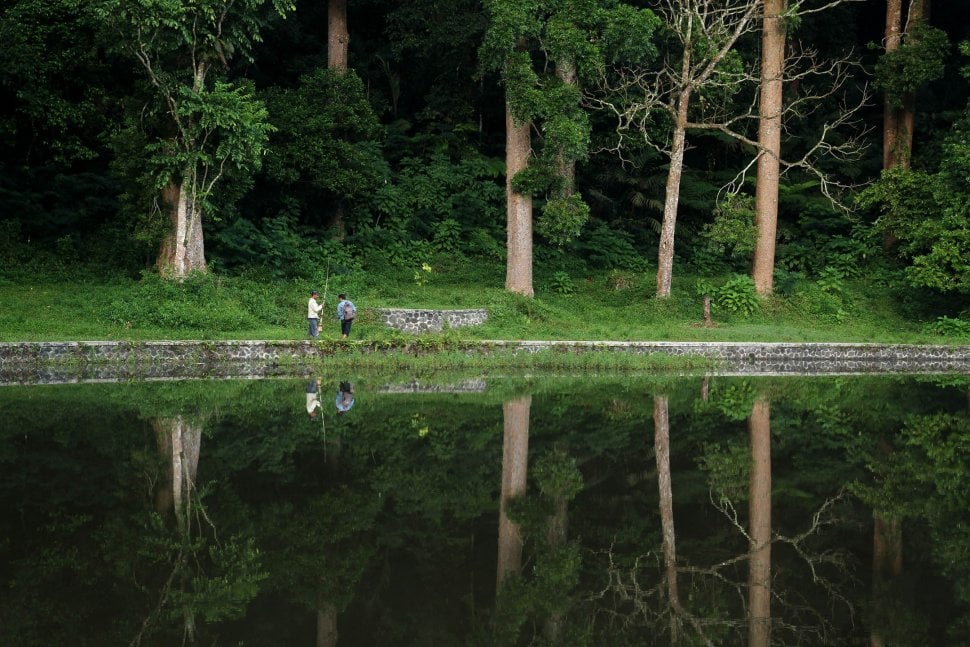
<point x="661" y="442"/>
<point x="183" y="248"/>
<point x="515" y="462"/>
<point x="890" y="121"/>
<point x="769" y="141"/>
<point x="759" y="513"/>
<point x="665" y="254"/>
<point x="518" y="268"/>
<point x="338" y="38"/>
<point x="179" y="443"/>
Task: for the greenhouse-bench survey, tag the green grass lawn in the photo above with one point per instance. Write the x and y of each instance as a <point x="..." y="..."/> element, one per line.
<point x="598" y="308"/>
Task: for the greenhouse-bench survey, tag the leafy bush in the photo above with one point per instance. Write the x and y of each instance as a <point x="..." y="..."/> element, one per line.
<point x="563" y="218"/>
<point x="729" y="240"/>
<point x="562" y="283"/>
<point x="737" y="296"/>
<point x="950" y="327"/>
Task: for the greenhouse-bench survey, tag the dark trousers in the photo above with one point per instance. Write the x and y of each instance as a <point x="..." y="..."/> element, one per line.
<point x="345" y="326"/>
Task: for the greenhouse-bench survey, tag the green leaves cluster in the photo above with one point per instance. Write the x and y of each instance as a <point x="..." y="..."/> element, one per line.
<point x="917" y="61"/>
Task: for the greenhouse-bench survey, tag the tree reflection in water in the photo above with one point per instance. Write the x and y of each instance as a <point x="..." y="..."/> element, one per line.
<point x="524" y="512"/>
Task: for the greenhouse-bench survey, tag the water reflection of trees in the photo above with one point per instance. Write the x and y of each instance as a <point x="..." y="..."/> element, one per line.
<point x="724" y="602"/>
<point x="395" y="541"/>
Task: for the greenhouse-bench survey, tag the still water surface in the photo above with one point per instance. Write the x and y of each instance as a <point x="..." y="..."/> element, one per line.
<point x="362" y="510"/>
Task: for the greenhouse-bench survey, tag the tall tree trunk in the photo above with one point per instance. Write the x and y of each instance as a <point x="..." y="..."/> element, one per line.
<point x="183" y="248"/>
<point x="661" y="442"/>
<point x="515" y="463"/>
<point x="769" y="140"/>
<point x="518" y="268"/>
<point x="665" y="255"/>
<point x="759" y="514"/>
<point x="918" y="13"/>
<point x="338" y="37"/>
<point x="890" y="117"/>
<point x="338" y="40"/>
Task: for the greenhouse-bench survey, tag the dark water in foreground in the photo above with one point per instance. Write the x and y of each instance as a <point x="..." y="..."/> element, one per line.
<point x="501" y="511"/>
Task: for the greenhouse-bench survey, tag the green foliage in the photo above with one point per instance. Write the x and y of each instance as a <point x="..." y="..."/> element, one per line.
<point x="436" y="204"/>
<point x="728" y="468"/>
<point x="609" y="248"/>
<point x="278" y="246"/>
<point x="327" y="141"/>
<point x="917" y="61"/>
<point x="197" y="303"/>
<point x="830" y="280"/>
<point x="928" y="214"/>
<point x="737" y="295"/>
<point x="558" y="476"/>
<point x="563" y="218"/>
<point x="562" y="283"/>
<point x="732" y="234"/>
<point x="53" y="73"/>
<point x="948" y="326"/>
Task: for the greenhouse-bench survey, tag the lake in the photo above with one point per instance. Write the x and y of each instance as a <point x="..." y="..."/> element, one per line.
<point x="487" y="510"/>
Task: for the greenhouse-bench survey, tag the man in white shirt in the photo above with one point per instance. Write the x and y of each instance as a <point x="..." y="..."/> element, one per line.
<point x="313" y="315"/>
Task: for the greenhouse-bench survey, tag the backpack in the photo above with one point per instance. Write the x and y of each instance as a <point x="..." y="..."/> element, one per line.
<point x="350" y="312"/>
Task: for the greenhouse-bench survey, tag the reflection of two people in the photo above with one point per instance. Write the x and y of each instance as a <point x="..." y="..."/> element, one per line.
<point x="344" y="400"/>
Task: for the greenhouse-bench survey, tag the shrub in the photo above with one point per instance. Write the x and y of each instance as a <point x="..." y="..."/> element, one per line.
<point x="949" y="326"/>
<point x="562" y="283"/>
<point x="737" y="296"/>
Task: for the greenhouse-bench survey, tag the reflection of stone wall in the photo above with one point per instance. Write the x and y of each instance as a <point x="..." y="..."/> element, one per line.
<point x="418" y="386"/>
<point x="418" y="321"/>
<point x="783" y="357"/>
<point x="51" y="362"/>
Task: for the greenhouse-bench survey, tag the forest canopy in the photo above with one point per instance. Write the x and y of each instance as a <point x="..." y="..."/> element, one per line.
<point x="375" y="133"/>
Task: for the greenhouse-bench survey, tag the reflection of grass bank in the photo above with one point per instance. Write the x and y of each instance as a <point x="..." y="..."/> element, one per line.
<point x="596" y="308"/>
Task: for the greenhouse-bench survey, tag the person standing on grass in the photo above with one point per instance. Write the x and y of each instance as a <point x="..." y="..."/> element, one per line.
<point x="346" y="312"/>
<point x="313" y="315"/>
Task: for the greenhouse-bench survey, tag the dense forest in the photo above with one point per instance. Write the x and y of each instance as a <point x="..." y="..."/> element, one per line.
<point x="813" y="140"/>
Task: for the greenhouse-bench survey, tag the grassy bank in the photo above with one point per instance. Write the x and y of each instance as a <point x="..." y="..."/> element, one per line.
<point x="591" y="306"/>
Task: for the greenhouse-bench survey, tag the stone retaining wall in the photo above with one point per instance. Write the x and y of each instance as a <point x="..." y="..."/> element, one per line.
<point x="72" y="361"/>
<point x="419" y="321"/>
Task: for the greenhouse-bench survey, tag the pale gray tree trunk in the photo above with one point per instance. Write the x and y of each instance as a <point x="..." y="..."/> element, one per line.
<point x="769" y="141"/>
<point x="518" y="267"/>
<point x="665" y="255"/>
<point x="183" y="248"/>
<point x="759" y="515"/>
<point x="515" y="463"/>
<point x="661" y="442"/>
